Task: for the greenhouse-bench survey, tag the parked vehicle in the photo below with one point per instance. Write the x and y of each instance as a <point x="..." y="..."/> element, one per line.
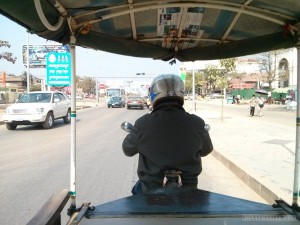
<point x="229" y="99"/>
<point x="79" y="97"/>
<point x="135" y="102"/>
<point x="216" y="95"/>
<point x="188" y="97"/>
<point x="92" y="96"/>
<point x="38" y="108"/>
<point x="116" y="102"/>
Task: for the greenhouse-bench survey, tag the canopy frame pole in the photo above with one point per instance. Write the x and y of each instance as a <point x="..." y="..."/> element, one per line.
<point x="72" y="192"/>
<point x="62" y="11"/>
<point x="193" y="89"/>
<point x="27" y="69"/>
<point x="73" y="126"/>
<point x="296" y="191"/>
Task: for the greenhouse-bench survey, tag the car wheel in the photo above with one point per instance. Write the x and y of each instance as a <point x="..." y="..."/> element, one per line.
<point x="128" y="107"/>
<point x="67" y="117"/>
<point x="10" y="126"/>
<point x="48" y="124"/>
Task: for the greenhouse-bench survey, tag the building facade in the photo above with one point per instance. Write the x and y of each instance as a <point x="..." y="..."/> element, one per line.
<point x="283" y="64"/>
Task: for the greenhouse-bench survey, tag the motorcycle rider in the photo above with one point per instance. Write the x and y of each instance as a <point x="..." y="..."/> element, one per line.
<point x="167" y="138"/>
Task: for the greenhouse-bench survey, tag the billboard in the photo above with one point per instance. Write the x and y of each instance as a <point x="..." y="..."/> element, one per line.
<point x="37" y="53"/>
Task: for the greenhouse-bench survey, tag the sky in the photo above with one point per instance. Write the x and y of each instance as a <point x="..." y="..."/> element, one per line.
<point x="103" y="65"/>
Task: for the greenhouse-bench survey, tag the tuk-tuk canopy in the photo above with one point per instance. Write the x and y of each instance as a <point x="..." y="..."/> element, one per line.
<point x="164" y="30"/>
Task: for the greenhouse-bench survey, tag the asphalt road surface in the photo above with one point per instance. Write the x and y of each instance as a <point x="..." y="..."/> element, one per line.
<point x="35" y="163"/>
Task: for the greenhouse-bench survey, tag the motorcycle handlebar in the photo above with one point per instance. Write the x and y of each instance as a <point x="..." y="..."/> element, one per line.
<point x="128" y="127"/>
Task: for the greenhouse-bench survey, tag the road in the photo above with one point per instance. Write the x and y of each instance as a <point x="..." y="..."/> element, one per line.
<point x="34" y="164"/>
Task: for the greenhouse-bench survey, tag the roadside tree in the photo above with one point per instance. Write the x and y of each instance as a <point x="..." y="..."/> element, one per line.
<point x="212" y="74"/>
<point x="212" y="77"/>
<point x="24" y="79"/>
<point x="200" y="83"/>
<point x="87" y="84"/>
<point x="228" y="73"/>
<point x="8" y="56"/>
<point x="271" y="71"/>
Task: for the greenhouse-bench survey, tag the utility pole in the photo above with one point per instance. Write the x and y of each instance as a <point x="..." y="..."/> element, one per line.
<point x="194" y="96"/>
<point x="28" y="80"/>
<point x="97" y="90"/>
<point x="129" y="82"/>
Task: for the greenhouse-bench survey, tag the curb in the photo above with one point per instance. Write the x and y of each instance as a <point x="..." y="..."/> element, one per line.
<point x="268" y="195"/>
<point x="83" y="107"/>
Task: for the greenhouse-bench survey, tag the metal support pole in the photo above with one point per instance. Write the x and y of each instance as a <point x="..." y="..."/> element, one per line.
<point x="28" y="80"/>
<point x="296" y="191"/>
<point x="194" y="102"/>
<point x="97" y="90"/>
<point x="222" y="110"/>
<point x="73" y="126"/>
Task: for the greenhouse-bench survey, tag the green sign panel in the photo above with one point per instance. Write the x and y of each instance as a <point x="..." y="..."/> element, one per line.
<point x="58" y="69"/>
<point x="183" y="76"/>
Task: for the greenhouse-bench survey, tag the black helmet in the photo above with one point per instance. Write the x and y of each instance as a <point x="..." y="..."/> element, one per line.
<point x="167" y="87"/>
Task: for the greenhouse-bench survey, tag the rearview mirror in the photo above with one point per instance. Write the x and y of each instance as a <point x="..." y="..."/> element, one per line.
<point x="207" y="127"/>
<point x="56" y="100"/>
<point x="126" y="126"/>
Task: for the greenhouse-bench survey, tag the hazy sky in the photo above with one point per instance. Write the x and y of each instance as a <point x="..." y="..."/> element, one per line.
<point x="88" y="62"/>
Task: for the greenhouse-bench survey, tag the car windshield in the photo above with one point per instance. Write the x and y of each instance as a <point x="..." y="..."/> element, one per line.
<point x="113" y="92"/>
<point x="35" y="97"/>
<point x="116" y="98"/>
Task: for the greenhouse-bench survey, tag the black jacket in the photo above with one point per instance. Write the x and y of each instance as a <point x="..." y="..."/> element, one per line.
<point x="168" y="138"/>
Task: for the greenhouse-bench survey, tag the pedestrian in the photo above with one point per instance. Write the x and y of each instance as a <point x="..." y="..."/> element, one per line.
<point x="253" y="104"/>
<point x="260" y="102"/>
<point x="169" y="138"/>
<point x="238" y="97"/>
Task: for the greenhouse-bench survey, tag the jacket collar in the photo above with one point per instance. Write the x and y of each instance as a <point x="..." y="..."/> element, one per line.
<point x="168" y="106"/>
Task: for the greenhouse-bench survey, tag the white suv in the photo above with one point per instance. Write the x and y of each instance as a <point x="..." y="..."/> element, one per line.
<point x="41" y="107"/>
<point x="40" y="54"/>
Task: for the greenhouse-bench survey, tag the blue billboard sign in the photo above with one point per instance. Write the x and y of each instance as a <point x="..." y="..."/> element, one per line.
<point x="58" y="66"/>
